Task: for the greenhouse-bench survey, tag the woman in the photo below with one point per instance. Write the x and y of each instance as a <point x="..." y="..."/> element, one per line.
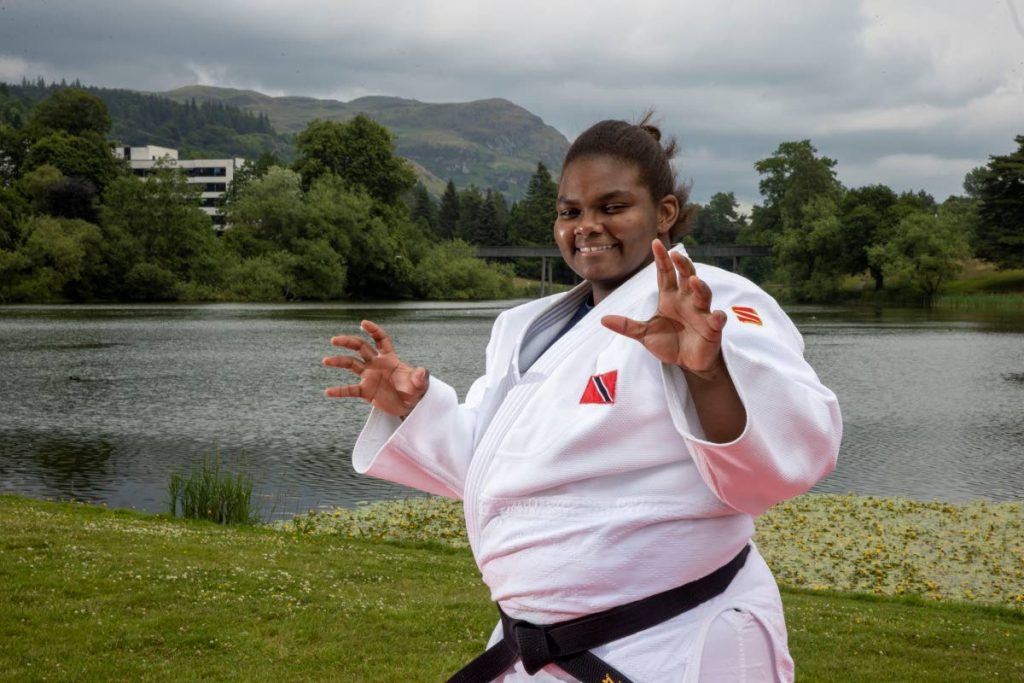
<point x="625" y="435"/>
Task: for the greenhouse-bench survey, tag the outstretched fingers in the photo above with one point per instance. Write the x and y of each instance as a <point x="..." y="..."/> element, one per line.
<point x="346" y="363"/>
<point x="357" y="344"/>
<point x="634" y="329"/>
<point x="380" y="337"/>
<point x="667" y="281"/>
<point x="683" y="269"/>
<point x="346" y="391"/>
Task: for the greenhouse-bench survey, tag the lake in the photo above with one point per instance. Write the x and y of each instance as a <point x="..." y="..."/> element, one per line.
<point x="103" y="402"/>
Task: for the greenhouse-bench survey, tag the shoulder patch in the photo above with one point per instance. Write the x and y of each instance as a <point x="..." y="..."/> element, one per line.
<point x="746" y="314"/>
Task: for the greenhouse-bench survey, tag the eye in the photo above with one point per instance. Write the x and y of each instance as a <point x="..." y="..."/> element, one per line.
<point x="614" y="208"/>
<point x="568" y="213"/>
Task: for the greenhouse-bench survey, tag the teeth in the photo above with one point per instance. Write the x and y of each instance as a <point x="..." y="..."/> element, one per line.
<point x="591" y="250"/>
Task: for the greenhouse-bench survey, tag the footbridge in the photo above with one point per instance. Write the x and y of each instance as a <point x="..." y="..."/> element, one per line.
<point x="549" y="256"/>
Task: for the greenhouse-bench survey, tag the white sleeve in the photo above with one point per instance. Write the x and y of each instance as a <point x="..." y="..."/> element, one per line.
<point x="431" y="449"/>
<point x="791" y="438"/>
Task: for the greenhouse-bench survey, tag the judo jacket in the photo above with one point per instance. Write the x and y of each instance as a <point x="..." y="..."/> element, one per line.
<point x="586" y="478"/>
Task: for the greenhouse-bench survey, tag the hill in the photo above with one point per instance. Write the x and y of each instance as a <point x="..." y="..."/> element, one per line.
<point x="206" y="129"/>
<point x="490" y="143"/>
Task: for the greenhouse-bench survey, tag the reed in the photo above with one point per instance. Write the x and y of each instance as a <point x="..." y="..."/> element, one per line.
<point x="207" y="492"/>
<point x="981" y="302"/>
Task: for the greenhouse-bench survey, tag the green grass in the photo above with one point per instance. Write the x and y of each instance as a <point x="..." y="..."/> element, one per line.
<point x="92" y="594"/>
<point x="207" y="492"/>
<point x="980" y="302"/>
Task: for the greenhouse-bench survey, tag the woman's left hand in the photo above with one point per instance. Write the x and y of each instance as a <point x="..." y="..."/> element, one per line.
<point x="684" y="331"/>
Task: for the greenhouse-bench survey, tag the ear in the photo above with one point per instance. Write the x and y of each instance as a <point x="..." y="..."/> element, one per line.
<point x="668" y="213"/>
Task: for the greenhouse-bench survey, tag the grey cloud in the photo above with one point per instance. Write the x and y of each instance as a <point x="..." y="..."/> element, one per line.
<point x="867" y="81"/>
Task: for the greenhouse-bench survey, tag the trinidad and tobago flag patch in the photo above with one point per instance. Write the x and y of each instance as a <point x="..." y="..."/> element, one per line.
<point x="600" y="388"/>
<point x="746" y="314"/>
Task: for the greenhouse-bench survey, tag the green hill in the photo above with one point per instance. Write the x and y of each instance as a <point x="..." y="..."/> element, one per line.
<point x="492" y="143"/>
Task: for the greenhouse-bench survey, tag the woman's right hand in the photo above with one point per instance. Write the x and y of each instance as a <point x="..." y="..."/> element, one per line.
<point x="385" y="381"/>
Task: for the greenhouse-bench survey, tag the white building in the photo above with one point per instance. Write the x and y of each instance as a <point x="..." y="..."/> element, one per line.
<point x="212" y="175"/>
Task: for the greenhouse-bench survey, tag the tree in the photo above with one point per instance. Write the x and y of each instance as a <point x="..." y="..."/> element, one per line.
<point x="424" y="208"/>
<point x="71" y="111"/>
<point x="1000" y="230"/>
<point x="86" y="156"/>
<point x="719" y="221"/>
<point x="162" y="217"/>
<point x="250" y="171"/>
<point x="268" y="214"/>
<point x="378" y="243"/>
<point x="868" y="217"/>
<point x="448" y="213"/>
<point x="450" y="270"/>
<point x="924" y="252"/>
<point x="360" y="151"/>
<point x="792" y="177"/>
<point x="57" y="257"/>
<point x="533" y="220"/>
<point x="471" y="204"/>
<point x="810" y="258"/>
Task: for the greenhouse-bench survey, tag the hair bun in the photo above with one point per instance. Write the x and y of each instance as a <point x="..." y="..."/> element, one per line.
<point x="651" y="130"/>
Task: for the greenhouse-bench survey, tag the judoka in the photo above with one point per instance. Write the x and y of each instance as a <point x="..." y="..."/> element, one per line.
<point x="624" y="436"/>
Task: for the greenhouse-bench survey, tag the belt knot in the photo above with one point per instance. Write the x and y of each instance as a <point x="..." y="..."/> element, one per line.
<point x="533" y="643"/>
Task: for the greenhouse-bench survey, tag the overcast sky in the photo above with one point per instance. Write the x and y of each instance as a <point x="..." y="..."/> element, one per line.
<point x="910" y="93"/>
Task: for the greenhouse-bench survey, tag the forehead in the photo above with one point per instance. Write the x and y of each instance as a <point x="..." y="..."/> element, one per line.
<point x="597" y="176"/>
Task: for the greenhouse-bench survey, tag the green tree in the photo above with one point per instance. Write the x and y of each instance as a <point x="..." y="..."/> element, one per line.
<point x="719" y="221"/>
<point x="448" y="213"/>
<point x="424" y="208"/>
<point x="534" y="217"/>
<point x="868" y="216"/>
<point x="75" y="112"/>
<point x="1000" y="230"/>
<point x="360" y="151"/>
<point x="925" y="251"/>
<point x="471" y="205"/>
<point x="86" y="156"/>
<point x="450" y="270"/>
<point x="810" y="258"/>
<point x="58" y="255"/>
<point x="250" y="171"/>
<point x="268" y="214"/>
<point x="170" y="232"/>
<point x="378" y="243"/>
<point x="792" y="177"/>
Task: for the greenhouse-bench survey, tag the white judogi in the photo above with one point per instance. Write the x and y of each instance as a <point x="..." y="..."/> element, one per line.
<point x="573" y="508"/>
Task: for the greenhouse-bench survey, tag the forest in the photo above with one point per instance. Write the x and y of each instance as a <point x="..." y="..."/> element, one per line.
<point x="346" y="217"/>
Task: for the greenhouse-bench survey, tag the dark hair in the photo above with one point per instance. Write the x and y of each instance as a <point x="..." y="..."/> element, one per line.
<point x="640" y="145"/>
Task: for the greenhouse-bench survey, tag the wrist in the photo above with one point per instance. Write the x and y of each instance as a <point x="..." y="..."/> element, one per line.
<point x="715" y="372"/>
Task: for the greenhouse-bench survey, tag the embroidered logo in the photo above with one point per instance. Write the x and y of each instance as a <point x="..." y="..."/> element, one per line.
<point x="600" y="388"/>
<point x="746" y="314"/>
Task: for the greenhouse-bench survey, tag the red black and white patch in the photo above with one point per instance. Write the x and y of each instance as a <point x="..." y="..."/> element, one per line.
<point x="746" y="314"/>
<point x="600" y="388"/>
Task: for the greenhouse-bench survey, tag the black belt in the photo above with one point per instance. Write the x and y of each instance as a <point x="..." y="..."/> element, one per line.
<point x="567" y="644"/>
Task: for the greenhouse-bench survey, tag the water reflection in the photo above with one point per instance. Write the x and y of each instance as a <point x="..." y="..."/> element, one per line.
<point x="104" y="402"/>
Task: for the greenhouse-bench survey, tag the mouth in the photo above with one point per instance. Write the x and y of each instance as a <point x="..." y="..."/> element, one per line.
<point x="594" y="249"/>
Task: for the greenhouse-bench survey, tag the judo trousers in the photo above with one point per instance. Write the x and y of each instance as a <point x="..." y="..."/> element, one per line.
<point x="567" y="644"/>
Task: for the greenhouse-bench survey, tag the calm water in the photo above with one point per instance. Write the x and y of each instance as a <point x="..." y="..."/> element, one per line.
<point x="103" y="403"/>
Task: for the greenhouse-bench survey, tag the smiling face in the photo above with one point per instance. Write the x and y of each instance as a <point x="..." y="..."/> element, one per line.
<point x="607" y="220"/>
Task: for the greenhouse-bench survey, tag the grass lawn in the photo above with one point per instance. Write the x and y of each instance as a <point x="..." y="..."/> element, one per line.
<point x="91" y="594"/>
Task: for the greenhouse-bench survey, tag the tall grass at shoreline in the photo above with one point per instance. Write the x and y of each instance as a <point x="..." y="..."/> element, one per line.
<point x="207" y="492"/>
<point x="980" y="302"/>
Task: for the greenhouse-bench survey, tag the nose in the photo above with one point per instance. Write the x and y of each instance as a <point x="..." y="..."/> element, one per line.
<point x="589" y="223"/>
